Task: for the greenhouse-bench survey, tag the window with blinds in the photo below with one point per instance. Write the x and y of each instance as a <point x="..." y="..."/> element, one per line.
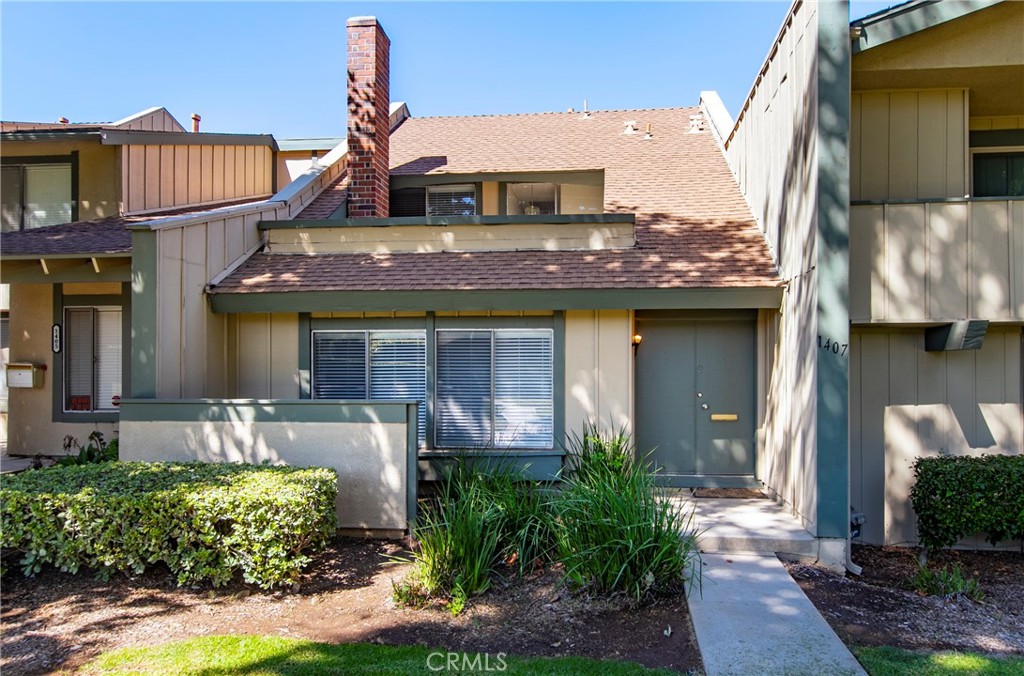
<point x="377" y="365"/>
<point x="34" y="196"/>
<point x="494" y="389"/>
<point x="92" y="359"/>
<point x="451" y="200"/>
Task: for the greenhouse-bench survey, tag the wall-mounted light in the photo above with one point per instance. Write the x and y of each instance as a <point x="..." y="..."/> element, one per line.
<point x="636" y="340"/>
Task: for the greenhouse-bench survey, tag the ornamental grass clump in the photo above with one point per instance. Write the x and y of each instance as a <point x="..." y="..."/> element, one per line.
<point x="617" y="532"/>
<point x="205" y="521"/>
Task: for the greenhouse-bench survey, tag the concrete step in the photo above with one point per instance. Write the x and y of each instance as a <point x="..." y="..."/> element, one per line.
<point x="729" y="526"/>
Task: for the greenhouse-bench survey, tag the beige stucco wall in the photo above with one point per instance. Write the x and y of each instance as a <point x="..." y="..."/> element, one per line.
<point x="99" y="173"/>
<point x="370" y="458"/>
<point x="31" y="428"/>
<point x="906" y="403"/>
<point x="773" y="152"/>
<point x="598" y="369"/>
<point x="939" y="261"/>
<point x="908" y="144"/>
<point x="155" y="177"/>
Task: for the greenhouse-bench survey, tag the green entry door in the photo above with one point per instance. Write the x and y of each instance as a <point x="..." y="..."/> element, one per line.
<point x="695" y="397"/>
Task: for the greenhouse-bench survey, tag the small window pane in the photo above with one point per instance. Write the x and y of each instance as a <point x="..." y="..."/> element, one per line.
<point x="998" y="174"/>
<point x="463" y="406"/>
<point x="339" y="365"/>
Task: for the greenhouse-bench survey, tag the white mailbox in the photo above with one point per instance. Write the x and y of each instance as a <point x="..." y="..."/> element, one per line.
<point x="25" y="375"/>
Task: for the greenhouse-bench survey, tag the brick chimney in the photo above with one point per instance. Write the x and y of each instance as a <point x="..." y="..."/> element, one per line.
<point x="368" y="118"/>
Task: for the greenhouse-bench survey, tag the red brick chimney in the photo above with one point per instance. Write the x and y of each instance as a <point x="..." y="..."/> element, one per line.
<point x="368" y="118"/>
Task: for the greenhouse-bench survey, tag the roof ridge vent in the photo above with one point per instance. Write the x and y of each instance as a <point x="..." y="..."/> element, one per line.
<point x="630" y="127"/>
<point x="697" y="124"/>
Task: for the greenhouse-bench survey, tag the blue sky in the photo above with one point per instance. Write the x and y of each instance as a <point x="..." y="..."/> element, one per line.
<point x="275" y="67"/>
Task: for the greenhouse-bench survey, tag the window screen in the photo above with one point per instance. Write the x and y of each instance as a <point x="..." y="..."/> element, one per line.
<point x="35" y="195"/>
<point x="494" y="389"/>
<point x="407" y="202"/>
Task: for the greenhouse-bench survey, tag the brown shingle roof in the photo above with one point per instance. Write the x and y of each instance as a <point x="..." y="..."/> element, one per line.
<point x="105" y="236"/>
<point x="693" y="227"/>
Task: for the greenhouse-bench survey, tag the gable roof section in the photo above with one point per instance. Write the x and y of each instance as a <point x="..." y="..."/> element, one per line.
<point x="909" y="17"/>
<point x="694" y="228"/>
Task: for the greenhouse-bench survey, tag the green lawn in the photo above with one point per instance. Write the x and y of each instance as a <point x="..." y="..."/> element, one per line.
<point x="214" y="655"/>
<point x="896" y="662"/>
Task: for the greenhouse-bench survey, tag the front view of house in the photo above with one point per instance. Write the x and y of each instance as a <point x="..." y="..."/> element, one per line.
<point x="492" y="284"/>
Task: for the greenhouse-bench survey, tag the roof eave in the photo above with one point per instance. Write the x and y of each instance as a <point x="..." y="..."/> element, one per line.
<point x="910" y="17"/>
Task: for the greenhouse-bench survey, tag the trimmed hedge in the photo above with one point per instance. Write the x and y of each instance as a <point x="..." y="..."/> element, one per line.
<point x="955" y="497"/>
<point x="206" y="521"/>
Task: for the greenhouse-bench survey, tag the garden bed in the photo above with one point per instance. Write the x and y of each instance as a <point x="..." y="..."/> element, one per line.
<point x="881" y="607"/>
<point x="60" y="621"/>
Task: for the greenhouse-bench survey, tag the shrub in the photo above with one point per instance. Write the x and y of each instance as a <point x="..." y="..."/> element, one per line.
<point x="617" y="532"/>
<point x="947" y="583"/>
<point x="95" y="450"/>
<point x="205" y="521"/>
<point x="955" y="497"/>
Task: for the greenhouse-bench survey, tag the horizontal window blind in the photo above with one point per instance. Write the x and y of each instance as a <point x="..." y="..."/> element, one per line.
<point x="451" y="200"/>
<point x="78" y="359"/>
<point x="108" y="358"/>
<point x="47" y="195"/>
<point x="523" y="389"/>
<point x="463" y="405"/>
<point x="495" y="388"/>
<point x="398" y="370"/>
<point x="339" y="365"/>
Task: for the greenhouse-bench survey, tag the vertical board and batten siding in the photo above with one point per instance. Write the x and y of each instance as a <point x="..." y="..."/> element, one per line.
<point x="156" y="177"/>
<point x="906" y="403"/>
<point x="908" y="144"/>
<point x="937" y="261"/>
<point x="203" y="354"/>
<point x="773" y="153"/>
<point x="598" y="370"/>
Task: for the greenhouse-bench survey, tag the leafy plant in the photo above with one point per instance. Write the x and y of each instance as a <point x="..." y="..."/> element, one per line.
<point x="94" y="451"/>
<point x="955" y="497"/>
<point x="947" y="583"/>
<point x="205" y="521"/>
<point x="617" y="532"/>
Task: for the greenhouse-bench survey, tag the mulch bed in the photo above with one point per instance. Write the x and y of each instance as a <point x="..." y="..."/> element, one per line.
<point x="58" y="621"/>
<point x="881" y="607"/>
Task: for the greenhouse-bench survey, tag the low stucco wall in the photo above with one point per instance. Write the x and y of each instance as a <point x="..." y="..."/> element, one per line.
<point x="369" y="445"/>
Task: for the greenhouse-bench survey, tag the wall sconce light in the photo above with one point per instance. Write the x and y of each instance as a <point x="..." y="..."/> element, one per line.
<point x="637" y="339"/>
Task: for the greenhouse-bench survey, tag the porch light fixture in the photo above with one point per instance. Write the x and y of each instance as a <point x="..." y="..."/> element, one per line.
<point x="636" y="340"/>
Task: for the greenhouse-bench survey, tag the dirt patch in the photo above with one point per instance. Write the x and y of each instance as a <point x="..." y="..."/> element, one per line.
<point x="882" y="608"/>
<point x="60" y="621"/>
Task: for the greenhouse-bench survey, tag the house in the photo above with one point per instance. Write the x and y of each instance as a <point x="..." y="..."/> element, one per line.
<point x="752" y="299"/>
<point x="69" y="193"/>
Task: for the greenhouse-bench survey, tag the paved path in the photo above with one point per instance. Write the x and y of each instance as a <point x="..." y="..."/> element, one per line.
<point x="753" y="619"/>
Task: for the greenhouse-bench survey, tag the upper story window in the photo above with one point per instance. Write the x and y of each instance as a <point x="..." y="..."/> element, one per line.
<point x="531" y="199"/>
<point x="998" y="174"/>
<point x="440" y="200"/>
<point x="35" y="192"/>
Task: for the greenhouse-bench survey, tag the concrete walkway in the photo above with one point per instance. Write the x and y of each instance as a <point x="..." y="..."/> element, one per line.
<point x="752" y="618"/>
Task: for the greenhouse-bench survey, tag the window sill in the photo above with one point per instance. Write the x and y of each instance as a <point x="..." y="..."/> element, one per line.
<point x="86" y="416"/>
